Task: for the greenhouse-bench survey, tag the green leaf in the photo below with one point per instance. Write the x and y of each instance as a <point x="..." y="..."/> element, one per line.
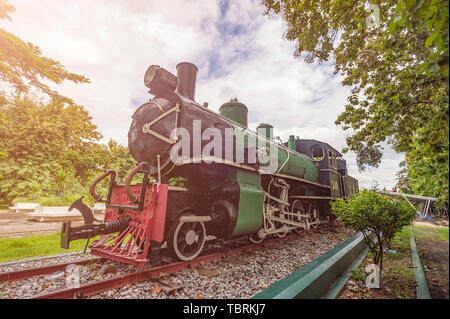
<point x="434" y="68"/>
<point x="410" y="3"/>
<point x="419" y="5"/>
<point x="431" y="38"/>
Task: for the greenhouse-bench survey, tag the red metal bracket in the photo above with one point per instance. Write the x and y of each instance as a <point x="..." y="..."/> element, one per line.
<point x="131" y="246"/>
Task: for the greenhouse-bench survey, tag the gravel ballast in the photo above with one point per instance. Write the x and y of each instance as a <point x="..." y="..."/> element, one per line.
<point x="231" y="277"/>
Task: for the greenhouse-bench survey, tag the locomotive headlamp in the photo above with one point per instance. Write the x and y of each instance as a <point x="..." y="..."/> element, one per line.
<point x="157" y="78"/>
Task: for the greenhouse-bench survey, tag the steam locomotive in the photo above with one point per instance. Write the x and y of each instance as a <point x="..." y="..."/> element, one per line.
<point x="234" y="182"/>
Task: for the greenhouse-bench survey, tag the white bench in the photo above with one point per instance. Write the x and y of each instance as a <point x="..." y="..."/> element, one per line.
<point x="61" y="213"/>
<point x="99" y="208"/>
<point x="54" y="210"/>
<point x="24" y="207"/>
<point x="54" y="214"/>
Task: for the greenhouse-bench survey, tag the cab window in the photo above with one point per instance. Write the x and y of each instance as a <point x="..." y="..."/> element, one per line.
<point x="317" y="153"/>
<point x="332" y="159"/>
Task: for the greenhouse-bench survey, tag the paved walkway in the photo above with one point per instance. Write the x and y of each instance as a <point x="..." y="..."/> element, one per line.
<point x="14" y="224"/>
<point x="425" y="223"/>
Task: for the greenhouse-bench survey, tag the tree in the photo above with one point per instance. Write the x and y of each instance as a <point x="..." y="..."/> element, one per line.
<point x="403" y="183"/>
<point x="53" y="147"/>
<point x="394" y="55"/>
<point x="37" y="138"/>
<point x="61" y="178"/>
<point x="120" y="159"/>
<point x="23" y="66"/>
<point x="378" y="217"/>
<point x="2" y="122"/>
<point x="46" y="147"/>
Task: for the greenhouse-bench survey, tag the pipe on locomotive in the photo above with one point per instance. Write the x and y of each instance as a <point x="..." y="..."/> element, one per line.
<point x="158" y="79"/>
<point x="187" y="78"/>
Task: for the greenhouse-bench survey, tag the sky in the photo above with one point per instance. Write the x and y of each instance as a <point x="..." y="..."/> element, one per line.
<point x="239" y="51"/>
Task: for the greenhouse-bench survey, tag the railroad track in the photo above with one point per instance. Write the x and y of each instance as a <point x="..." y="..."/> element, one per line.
<point x="96" y="287"/>
<point x="43" y="270"/>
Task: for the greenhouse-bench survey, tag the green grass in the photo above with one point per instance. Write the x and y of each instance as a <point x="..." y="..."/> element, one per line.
<point x="398" y="274"/>
<point x="358" y="274"/>
<point x="443" y="232"/>
<point x="401" y="243"/>
<point x="35" y="246"/>
<point x="404" y="234"/>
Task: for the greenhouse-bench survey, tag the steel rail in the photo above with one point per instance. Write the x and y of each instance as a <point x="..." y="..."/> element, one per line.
<point x="150" y="273"/>
<point x="37" y="271"/>
<point x="13" y="262"/>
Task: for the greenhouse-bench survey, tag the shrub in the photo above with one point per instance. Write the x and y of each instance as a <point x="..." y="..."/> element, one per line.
<point x="377" y="217"/>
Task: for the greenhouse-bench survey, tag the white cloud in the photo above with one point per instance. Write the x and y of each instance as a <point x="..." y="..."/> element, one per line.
<point x="239" y="52"/>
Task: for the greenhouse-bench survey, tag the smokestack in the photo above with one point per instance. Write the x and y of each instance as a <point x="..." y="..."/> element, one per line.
<point x="187" y="77"/>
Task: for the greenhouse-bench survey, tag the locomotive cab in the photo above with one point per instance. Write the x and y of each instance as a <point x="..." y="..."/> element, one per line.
<point x="332" y="167"/>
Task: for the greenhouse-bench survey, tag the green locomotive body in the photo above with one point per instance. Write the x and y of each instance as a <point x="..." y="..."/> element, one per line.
<point x="236" y="182"/>
<point x="270" y="188"/>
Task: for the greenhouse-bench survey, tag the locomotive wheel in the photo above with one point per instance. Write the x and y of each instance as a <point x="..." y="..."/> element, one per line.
<point x="280" y="225"/>
<point x="255" y="239"/>
<point x="283" y="232"/>
<point x="313" y="213"/>
<point x="186" y="240"/>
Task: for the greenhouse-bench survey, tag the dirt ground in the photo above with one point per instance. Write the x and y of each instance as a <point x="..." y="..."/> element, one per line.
<point x="434" y="253"/>
<point x="16" y="225"/>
